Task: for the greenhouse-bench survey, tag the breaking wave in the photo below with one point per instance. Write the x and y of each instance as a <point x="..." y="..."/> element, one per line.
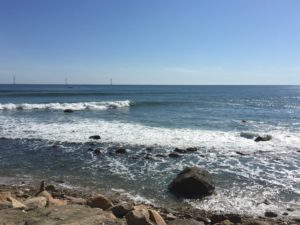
<point x="64" y="106"/>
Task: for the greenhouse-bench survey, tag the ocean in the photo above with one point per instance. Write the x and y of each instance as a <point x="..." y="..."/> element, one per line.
<point x="39" y="141"/>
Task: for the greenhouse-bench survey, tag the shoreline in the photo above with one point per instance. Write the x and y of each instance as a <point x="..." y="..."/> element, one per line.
<point x="68" y="200"/>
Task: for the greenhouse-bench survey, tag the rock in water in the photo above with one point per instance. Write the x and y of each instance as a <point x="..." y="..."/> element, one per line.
<point x="121" y="151"/>
<point x="263" y="138"/>
<point x="192" y="149"/>
<point x="179" y="150"/>
<point x="192" y="182"/>
<point x="68" y="110"/>
<point x="95" y="137"/>
<point x="270" y="214"/>
<point x="100" y="201"/>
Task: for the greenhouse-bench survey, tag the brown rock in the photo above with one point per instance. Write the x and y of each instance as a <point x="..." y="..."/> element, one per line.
<point x="78" y="201"/>
<point x="186" y="222"/>
<point x="36" y="202"/>
<point x="142" y="216"/>
<point x="4" y="195"/>
<point x="100" y="201"/>
<point x="16" y="204"/>
<point x="120" y="210"/>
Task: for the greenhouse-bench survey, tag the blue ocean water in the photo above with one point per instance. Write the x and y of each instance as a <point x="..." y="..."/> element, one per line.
<point x="39" y="141"/>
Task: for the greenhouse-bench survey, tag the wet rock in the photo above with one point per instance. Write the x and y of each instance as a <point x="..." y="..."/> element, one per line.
<point x="248" y="135"/>
<point x="68" y="110"/>
<point x="263" y="138"/>
<point x="148" y="156"/>
<point x="36" y="202"/>
<point x="174" y="155"/>
<point x="186" y="222"/>
<point x="242" y="153"/>
<point x="243" y="121"/>
<point x="90" y="149"/>
<point x="120" y="210"/>
<point x="97" y="151"/>
<point x="285" y="214"/>
<point x="193" y="149"/>
<point x="121" y="151"/>
<point x="16" y="204"/>
<point x="160" y="155"/>
<point x="95" y="137"/>
<point x="290" y="209"/>
<point x="192" y="182"/>
<point x="100" y="201"/>
<point x="149" y="149"/>
<point x="143" y="216"/>
<point x="270" y="214"/>
<point x="181" y="151"/>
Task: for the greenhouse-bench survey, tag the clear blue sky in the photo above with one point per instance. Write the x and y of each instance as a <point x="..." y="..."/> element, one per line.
<point x="150" y="42"/>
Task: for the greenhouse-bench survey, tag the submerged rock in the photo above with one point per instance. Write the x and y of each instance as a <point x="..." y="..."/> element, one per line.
<point x="192" y="182"/>
<point x="68" y="110"/>
<point x="192" y="149"/>
<point x="178" y="150"/>
<point x="121" y="151"/>
<point x="95" y="137"/>
<point x="174" y="155"/>
<point x="97" y="151"/>
<point x="263" y="138"/>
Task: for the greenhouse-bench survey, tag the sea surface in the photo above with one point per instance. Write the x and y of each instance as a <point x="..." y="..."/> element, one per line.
<point x="39" y="141"/>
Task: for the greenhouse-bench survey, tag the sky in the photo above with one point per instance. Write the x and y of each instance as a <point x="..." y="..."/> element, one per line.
<point x="150" y="41"/>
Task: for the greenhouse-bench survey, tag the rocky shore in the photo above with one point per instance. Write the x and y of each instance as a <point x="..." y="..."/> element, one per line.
<point x="53" y="205"/>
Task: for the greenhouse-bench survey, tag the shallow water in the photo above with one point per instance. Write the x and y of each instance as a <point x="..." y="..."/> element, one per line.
<point x="38" y="140"/>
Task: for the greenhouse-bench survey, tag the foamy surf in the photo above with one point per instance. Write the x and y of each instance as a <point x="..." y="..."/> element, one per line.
<point x="64" y="106"/>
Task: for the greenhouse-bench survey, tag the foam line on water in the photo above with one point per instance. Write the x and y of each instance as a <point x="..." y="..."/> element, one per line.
<point x="63" y="106"/>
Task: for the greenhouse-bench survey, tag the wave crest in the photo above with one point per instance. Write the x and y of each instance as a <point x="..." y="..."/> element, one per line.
<point x="64" y="106"/>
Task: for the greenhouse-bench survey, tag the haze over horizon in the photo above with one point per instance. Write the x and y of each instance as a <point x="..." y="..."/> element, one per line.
<point x="157" y="42"/>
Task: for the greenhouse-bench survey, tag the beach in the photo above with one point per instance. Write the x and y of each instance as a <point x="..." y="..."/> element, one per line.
<point x="132" y="141"/>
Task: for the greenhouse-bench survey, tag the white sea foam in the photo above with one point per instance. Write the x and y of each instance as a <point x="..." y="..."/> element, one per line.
<point x="63" y="106"/>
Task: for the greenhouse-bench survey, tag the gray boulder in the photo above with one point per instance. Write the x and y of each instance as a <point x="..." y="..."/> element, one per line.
<point x="192" y="182"/>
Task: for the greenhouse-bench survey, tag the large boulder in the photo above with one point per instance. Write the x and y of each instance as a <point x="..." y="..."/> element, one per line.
<point x="100" y="201"/>
<point x="192" y="182"/>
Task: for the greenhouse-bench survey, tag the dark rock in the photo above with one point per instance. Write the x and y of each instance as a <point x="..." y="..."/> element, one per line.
<point x="161" y="155"/>
<point x="68" y="110"/>
<point x="50" y="188"/>
<point x="192" y="182"/>
<point x="186" y="222"/>
<point x="217" y="218"/>
<point x="290" y="209"/>
<point x="174" y="155"/>
<point x="248" y="135"/>
<point x="149" y="149"/>
<point x="270" y="214"/>
<point x="297" y="220"/>
<point x="234" y="218"/>
<point x="97" y="151"/>
<point x="148" y="156"/>
<point x="285" y="214"/>
<point x="90" y="149"/>
<point x="121" y="151"/>
<point x="242" y="153"/>
<point x="191" y="149"/>
<point x="244" y="121"/>
<point x="178" y="150"/>
<point x="95" y="137"/>
<point x="267" y="202"/>
<point x="263" y="138"/>
<point x="120" y="210"/>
